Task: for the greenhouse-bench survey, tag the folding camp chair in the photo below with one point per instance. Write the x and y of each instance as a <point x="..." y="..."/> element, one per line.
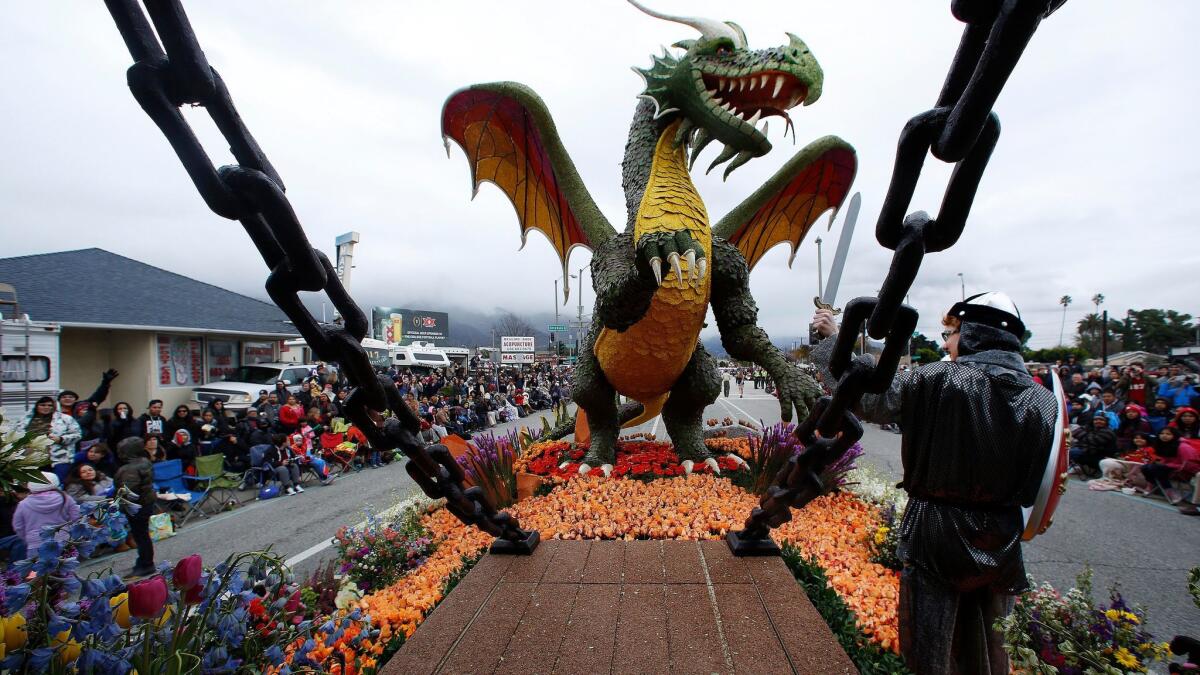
<point x="342" y="460"/>
<point x="213" y="483"/>
<point x="258" y="473"/>
<point x="168" y="477"/>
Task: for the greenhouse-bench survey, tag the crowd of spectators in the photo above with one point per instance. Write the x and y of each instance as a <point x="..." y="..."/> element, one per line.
<point x="1134" y="430"/>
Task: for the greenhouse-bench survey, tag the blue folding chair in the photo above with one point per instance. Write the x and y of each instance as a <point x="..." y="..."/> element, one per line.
<point x="168" y="477"/>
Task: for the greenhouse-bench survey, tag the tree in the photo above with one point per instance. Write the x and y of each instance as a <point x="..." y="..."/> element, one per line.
<point x="1157" y="330"/>
<point x="1054" y="354"/>
<point x="1090" y="329"/>
<point x="1064" y="301"/>
<point x="509" y="324"/>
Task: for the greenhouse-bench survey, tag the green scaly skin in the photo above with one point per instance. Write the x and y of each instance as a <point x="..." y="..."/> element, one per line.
<point x="716" y="88"/>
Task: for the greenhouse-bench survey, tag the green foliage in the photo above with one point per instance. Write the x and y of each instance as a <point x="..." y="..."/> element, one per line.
<point x="465" y="566"/>
<point x="868" y="657"/>
<point x="1090" y="331"/>
<point x="378" y="553"/>
<point x="1053" y="354"/>
<point x="544" y="489"/>
<point x="927" y="355"/>
<point x="885" y="541"/>
<point x="1048" y="632"/>
<point x="319" y="591"/>
<point x="1194" y="584"/>
<point x="18" y="458"/>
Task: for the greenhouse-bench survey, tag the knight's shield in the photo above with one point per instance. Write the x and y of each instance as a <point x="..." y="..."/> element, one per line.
<point x="1039" y="516"/>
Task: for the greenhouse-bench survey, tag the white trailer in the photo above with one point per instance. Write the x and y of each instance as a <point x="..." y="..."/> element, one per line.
<point x="29" y="364"/>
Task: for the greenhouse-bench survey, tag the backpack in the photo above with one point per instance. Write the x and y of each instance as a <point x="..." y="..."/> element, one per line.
<point x="269" y="491"/>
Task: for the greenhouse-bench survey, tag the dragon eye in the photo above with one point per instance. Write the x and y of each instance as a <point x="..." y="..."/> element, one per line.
<point x="724" y="50"/>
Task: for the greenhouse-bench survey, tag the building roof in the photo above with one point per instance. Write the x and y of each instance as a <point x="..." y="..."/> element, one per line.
<point x="93" y="287"/>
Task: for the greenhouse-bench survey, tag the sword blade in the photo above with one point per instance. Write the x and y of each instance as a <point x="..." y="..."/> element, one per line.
<point x="839" y="258"/>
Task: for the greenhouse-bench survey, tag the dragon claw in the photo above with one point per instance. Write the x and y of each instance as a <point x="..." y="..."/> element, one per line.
<point x="712" y="463"/>
<point x="687" y="465"/>
<point x="703" y="265"/>
<point x="673" y="259"/>
<point x="691" y="261"/>
<point x="738" y="459"/>
<point x="607" y="469"/>
<point x="584" y="469"/>
<point x="656" y="267"/>
<point x="563" y="466"/>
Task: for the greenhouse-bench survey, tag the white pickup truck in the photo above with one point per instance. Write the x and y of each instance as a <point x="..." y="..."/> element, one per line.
<point x="240" y="388"/>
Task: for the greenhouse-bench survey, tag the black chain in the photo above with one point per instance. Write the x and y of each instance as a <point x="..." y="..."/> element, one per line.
<point x="252" y="192"/>
<point x="961" y="128"/>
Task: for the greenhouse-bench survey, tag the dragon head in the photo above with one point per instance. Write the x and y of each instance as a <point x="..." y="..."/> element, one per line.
<point x="723" y="90"/>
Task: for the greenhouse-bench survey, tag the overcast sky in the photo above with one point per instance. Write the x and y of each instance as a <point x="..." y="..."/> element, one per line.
<point x="1091" y="188"/>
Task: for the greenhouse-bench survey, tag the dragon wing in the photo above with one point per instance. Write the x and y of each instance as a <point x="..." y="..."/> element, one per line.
<point x="786" y="206"/>
<point x="510" y="140"/>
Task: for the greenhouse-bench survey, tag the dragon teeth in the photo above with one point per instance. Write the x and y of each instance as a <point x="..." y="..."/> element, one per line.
<point x="741" y="85"/>
<point x="754" y="120"/>
<point x="765" y="79"/>
<point x="764" y="127"/>
<point x="778" y="85"/>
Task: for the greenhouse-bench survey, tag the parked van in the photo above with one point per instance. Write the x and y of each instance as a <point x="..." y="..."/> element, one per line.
<point x="419" y="355"/>
<point x="29" y="363"/>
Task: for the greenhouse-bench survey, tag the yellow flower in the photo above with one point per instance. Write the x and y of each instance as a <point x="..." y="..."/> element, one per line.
<point x="881" y="535"/>
<point x="1113" y="614"/>
<point x="1130" y="617"/>
<point x="1125" y="658"/>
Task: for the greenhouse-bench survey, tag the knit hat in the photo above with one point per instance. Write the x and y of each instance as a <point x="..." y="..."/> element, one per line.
<point x="50" y="484"/>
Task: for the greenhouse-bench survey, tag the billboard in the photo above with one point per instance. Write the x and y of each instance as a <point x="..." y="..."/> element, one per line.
<point x="517" y="343"/>
<point x="400" y="325"/>
<point x="516" y="358"/>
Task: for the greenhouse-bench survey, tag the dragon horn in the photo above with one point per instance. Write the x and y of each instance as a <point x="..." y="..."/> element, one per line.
<point x="707" y="27"/>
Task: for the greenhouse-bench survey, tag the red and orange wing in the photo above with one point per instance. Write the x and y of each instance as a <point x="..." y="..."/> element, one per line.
<point x="784" y="209"/>
<point x="510" y="140"/>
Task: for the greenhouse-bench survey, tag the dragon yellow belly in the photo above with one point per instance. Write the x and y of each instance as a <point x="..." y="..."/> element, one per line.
<point x="644" y="361"/>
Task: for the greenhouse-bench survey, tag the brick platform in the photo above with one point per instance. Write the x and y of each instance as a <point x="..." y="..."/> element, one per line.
<point x="624" y="607"/>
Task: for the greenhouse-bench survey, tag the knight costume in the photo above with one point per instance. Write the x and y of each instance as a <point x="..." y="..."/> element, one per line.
<point x="977" y="434"/>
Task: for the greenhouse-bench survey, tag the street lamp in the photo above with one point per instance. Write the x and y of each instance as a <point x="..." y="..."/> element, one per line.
<point x="579" y="319"/>
<point x="963" y="284"/>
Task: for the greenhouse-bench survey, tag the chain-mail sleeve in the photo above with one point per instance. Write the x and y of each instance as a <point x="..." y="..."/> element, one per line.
<point x="878" y="408"/>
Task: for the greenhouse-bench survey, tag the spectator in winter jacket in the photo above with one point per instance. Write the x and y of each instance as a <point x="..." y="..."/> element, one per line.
<point x="99" y="456"/>
<point x="1160" y="415"/>
<point x="280" y="459"/>
<point x="45" y="506"/>
<point x="1178" y="459"/>
<point x="1134" y="384"/>
<point x="1178" y="391"/>
<point x="1132" y="424"/>
<point x="1091" y="445"/>
<point x="137" y="475"/>
<point x="84" y="411"/>
<point x="180" y="419"/>
<point x="290" y="414"/>
<point x="270" y="410"/>
<point x="121" y="425"/>
<point x="1187" y="422"/>
<point x="61" y="429"/>
<point x="151" y="422"/>
<point x="86" y="484"/>
<point x="12" y="547"/>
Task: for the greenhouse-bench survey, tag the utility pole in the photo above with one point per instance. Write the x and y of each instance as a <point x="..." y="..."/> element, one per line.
<point x="1104" y="341"/>
<point x="820" y="272"/>
<point x="579" y="325"/>
<point x="963" y="284"/>
<point x="555" y="300"/>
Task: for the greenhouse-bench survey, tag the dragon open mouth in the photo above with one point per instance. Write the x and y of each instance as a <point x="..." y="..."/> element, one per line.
<point x="756" y="96"/>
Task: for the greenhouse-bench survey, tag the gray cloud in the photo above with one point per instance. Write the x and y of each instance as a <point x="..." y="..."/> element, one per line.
<point x="1086" y="191"/>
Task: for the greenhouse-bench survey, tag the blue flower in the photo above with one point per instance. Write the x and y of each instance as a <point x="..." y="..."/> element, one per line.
<point x="70" y="609"/>
<point x="56" y="624"/>
<point x="274" y="655"/>
<point x="92" y="588"/>
<point x="39" y="659"/>
<point x="114" y="583"/>
<point x="215" y="658"/>
<point x="87" y="508"/>
<point x="15" y="598"/>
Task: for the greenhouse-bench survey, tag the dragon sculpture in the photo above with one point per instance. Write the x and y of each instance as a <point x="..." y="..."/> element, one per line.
<point x="655" y="280"/>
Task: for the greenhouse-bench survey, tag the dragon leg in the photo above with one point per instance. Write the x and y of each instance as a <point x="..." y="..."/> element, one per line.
<point x="593" y="393"/>
<point x="683" y="413"/>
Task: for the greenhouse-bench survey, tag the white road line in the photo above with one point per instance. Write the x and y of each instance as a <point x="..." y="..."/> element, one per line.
<point x="749" y="418"/>
<point x="308" y="553"/>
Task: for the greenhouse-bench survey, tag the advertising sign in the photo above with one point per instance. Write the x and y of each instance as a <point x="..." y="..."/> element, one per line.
<point x="403" y="326"/>
<point x="257" y="352"/>
<point x="518" y="343"/>
<point x="180" y="361"/>
<point x="222" y="358"/>
<point x="516" y="358"/>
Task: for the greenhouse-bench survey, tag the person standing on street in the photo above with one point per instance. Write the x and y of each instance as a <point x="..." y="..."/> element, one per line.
<point x="977" y="433"/>
<point x="137" y="475"/>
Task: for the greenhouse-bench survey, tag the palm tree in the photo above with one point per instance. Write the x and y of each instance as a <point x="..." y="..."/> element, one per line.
<point x="1097" y="300"/>
<point x="1064" y="301"/>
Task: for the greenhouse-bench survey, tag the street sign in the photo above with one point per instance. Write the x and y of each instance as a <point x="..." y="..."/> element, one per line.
<point x="518" y="343"/>
<point x="516" y="358"/>
<point x="557" y="328"/>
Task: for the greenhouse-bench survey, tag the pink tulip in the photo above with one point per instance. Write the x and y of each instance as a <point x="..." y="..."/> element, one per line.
<point x="293" y="603"/>
<point x="187" y="572"/>
<point x="148" y="597"/>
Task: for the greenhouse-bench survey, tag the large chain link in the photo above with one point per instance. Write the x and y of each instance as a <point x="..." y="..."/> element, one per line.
<point x="961" y="128"/>
<point x="252" y="192"/>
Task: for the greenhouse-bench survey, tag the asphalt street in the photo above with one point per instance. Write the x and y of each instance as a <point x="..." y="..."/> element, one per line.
<point x="1144" y="546"/>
